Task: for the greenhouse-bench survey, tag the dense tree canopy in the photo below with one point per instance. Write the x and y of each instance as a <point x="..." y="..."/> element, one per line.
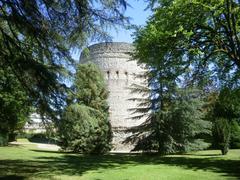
<point x="226" y="119"/>
<point x="189" y="44"/>
<point x="199" y="37"/>
<point x="37" y="36"/>
<point x="14" y="105"/>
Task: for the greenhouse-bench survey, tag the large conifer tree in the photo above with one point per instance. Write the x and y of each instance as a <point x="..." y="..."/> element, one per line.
<point x="85" y="125"/>
<point x="37" y="36"/>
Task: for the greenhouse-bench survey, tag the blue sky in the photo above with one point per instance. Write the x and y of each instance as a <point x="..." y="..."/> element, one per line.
<point x="138" y="17"/>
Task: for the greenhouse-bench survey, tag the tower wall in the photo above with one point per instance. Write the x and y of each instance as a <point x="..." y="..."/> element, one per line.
<point x="120" y="72"/>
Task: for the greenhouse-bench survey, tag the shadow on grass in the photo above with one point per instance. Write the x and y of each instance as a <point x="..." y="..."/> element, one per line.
<point x="12" y="177"/>
<point x="209" y="155"/>
<point x="70" y="164"/>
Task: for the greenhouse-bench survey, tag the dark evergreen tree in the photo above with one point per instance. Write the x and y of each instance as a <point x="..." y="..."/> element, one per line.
<point x="90" y="87"/>
<point x="14" y="106"/>
<point x="235" y="134"/>
<point x="222" y="134"/>
<point x="225" y="115"/>
<point x="36" y="37"/>
<point x="179" y="126"/>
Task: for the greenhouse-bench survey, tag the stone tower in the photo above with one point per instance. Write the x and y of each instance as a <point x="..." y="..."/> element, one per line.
<point x="120" y="72"/>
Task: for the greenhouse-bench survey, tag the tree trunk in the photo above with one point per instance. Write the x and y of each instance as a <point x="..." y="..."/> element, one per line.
<point x="224" y="150"/>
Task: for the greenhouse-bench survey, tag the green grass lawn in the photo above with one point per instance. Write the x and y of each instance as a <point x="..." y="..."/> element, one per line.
<point x="28" y="162"/>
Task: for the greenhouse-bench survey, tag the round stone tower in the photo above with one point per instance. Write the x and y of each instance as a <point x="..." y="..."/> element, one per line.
<point x="120" y="72"/>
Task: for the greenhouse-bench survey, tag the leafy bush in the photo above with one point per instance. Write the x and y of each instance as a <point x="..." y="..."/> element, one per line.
<point x="222" y="134"/>
<point x="84" y="129"/>
<point x="235" y="135"/>
<point x="226" y="112"/>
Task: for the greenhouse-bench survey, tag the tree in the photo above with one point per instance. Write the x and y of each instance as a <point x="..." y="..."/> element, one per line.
<point x="228" y="104"/>
<point x="222" y="134"/>
<point x="84" y="129"/>
<point x="235" y="135"/>
<point x="36" y="39"/>
<point x="201" y="37"/>
<point x="14" y="106"/>
<point x="179" y="126"/>
<point x="90" y="88"/>
<point x="225" y="115"/>
<point x="192" y="43"/>
<point x="85" y="126"/>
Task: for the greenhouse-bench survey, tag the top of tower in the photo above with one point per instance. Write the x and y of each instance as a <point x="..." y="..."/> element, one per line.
<point x="122" y="47"/>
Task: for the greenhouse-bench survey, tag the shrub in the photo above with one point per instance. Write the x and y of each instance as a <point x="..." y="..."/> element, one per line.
<point x="235" y="135"/>
<point x="222" y="133"/>
<point x="84" y="129"/>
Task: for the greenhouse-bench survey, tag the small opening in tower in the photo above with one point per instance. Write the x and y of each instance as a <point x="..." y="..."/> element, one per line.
<point x="117" y="72"/>
<point x="108" y="74"/>
<point x="126" y="74"/>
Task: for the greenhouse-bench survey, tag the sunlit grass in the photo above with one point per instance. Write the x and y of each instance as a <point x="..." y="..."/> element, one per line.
<point x="29" y="162"/>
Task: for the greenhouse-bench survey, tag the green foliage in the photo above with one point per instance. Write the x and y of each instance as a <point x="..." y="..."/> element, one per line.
<point x="228" y="104"/>
<point x="14" y="105"/>
<point x="178" y="127"/>
<point x="193" y="43"/>
<point x="200" y="37"/>
<point x="235" y="135"/>
<point x="226" y="113"/>
<point x="90" y="87"/>
<point x="36" y="37"/>
<point x="85" y="130"/>
<point x="222" y="133"/>
<point x="85" y="126"/>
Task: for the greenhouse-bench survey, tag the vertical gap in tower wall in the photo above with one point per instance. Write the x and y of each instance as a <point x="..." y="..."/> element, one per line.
<point x="108" y="74"/>
<point x="117" y="72"/>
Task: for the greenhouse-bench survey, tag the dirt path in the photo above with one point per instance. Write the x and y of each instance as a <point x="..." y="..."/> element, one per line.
<point x="52" y="147"/>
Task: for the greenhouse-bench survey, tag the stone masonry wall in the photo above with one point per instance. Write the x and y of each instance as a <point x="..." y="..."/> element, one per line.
<point x="120" y="73"/>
